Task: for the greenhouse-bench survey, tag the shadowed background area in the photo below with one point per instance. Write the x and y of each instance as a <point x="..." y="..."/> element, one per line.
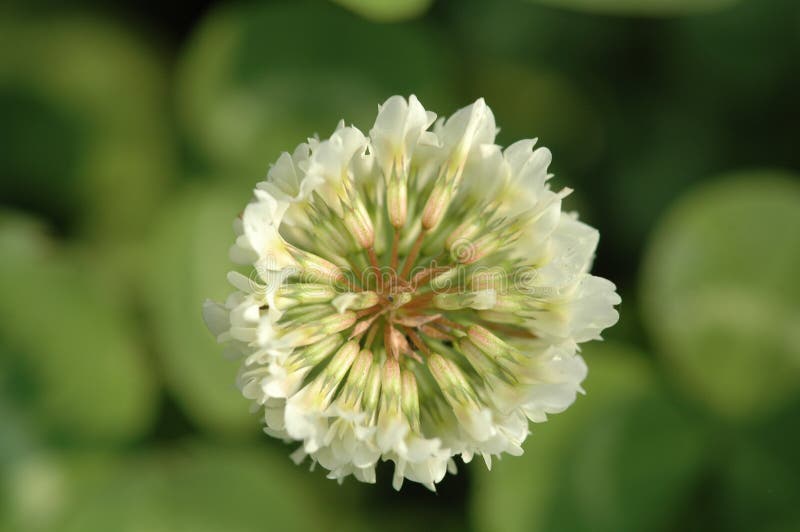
<point x="131" y="135"/>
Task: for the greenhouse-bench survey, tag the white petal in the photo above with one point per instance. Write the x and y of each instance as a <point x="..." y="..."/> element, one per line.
<point x="397" y="130"/>
<point x="216" y="317"/>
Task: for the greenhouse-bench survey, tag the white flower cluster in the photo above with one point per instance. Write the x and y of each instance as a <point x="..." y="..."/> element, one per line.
<point x="417" y="294"/>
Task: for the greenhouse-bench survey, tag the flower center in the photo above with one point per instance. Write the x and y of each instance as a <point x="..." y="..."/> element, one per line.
<point x="410" y="279"/>
<point x="404" y="309"/>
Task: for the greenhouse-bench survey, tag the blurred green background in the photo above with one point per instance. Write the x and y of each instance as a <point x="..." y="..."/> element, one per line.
<point x="131" y="134"/>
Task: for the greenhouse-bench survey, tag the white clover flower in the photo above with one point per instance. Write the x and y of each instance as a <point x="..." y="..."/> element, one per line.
<point x="417" y="294"/>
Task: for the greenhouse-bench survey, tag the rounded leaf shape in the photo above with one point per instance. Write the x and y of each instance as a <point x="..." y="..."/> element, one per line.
<point x="620" y="459"/>
<point x="720" y="294"/>
<point x="246" y="94"/>
<point x="386" y="10"/>
<point x="188" y="250"/>
<point x="78" y="367"/>
<point x="84" y="137"/>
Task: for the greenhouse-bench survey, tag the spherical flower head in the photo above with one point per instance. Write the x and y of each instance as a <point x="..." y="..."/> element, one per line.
<point x="415" y="295"/>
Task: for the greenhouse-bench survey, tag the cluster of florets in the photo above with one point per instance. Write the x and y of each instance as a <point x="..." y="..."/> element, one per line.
<point x="416" y="294"/>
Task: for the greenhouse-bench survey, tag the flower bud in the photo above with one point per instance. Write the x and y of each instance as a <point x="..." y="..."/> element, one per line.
<point x="410" y="399"/>
<point x="510" y="302"/>
<point x="353" y="388"/>
<point x="465" y="232"/>
<point x="499" y="351"/>
<point x="481" y="300"/>
<point x="450" y="379"/>
<point x="396" y="343"/>
<point x="325" y="228"/>
<point x="446" y="280"/>
<point x="313" y="354"/>
<point x="372" y="390"/>
<point x="482" y="363"/>
<point x="316" y="269"/>
<point x="326" y="383"/>
<point x="397" y="201"/>
<point x="485" y="340"/>
<point x="390" y="415"/>
<point x="355" y="301"/>
<point x="314" y="332"/>
<point x="289" y="295"/>
<point x="502" y="317"/>
<point x="490" y="278"/>
<point x="460" y="395"/>
<point x="359" y="225"/>
<point x="481" y="248"/>
<point x="304" y="314"/>
<point x="437" y="204"/>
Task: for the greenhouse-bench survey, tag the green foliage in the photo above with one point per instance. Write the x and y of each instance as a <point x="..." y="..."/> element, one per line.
<point x="187" y="487"/>
<point x="565" y="119"/>
<point x="246" y="94"/>
<point x="720" y="295"/>
<point x="191" y="242"/>
<point x="652" y="8"/>
<point x="745" y="49"/>
<point x="83" y="108"/>
<point x="386" y="10"/>
<point x="73" y="361"/>
<point x="206" y="490"/>
<point x="759" y="489"/>
<point x="583" y="469"/>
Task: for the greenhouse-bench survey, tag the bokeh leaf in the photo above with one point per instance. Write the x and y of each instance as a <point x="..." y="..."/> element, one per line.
<point x="185" y="487"/>
<point x="543" y="104"/>
<point x="651" y="8"/>
<point x="540" y="38"/>
<point x="75" y="363"/>
<point x="731" y="61"/>
<point x="247" y="94"/>
<point x="187" y="262"/>
<point x="386" y="10"/>
<point x="621" y="458"/>
<point x="760" y="489"/>
<point x="210" y="490"/>
<point x="679" y="149"/>
<point x="85" y="137"/>
<point x="720" y="294"/>
<point x="42" y="485"/>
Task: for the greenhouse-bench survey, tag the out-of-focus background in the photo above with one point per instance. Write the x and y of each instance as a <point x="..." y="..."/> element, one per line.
<point x="132" y="133"/>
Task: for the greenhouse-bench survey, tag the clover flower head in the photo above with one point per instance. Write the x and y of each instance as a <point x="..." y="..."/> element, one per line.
<point x="416" y="294"/>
